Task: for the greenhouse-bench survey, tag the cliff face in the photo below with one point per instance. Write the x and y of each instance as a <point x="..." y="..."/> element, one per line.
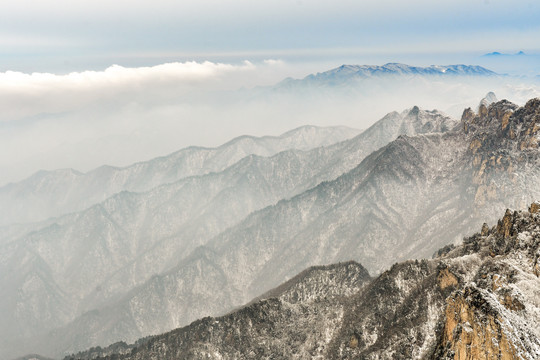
<point x="503" y="147"/>
<point x="479" y="300"/>
<point x="497" y="314"/>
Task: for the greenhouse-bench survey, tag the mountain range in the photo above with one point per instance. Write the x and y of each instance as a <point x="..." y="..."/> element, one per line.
<point x="53" y="193"/>
<point x="151" y="247"/>
<point x="346" y="74"/>
<point x="90" y="269"/>
<point x="478" y="300"/>
<point x="405" y="200"/>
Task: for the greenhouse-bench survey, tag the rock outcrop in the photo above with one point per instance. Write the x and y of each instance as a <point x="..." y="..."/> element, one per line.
<point x="503" y="142"/>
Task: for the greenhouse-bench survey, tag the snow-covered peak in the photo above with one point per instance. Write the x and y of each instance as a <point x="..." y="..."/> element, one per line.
<point x="398" y="68"/>
<point x="351" y="73"/>
<point x="489" y="99"/>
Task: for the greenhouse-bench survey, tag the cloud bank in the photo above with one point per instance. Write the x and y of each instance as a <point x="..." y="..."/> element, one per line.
<point x="120" y="115"/>
<point x="123" y="115"/>
<point x="23" y="95"/>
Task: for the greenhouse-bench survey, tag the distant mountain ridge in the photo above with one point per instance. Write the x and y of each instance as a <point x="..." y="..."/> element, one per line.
<point x="497" y="53"/>
<point x="348" y="73"/>
<point x="53" y="193"/>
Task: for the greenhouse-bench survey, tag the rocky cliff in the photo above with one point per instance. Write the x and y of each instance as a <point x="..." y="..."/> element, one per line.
<point x="478" y="300"/>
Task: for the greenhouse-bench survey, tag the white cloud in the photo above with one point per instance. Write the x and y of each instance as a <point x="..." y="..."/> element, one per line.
<point x="23" y="95"/>
<point x="273" y="62"/>
<point x="188" y="72"/>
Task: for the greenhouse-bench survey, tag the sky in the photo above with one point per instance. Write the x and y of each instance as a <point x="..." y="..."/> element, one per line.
<point x="66" y="35"/>
<point x="84" y="83"/>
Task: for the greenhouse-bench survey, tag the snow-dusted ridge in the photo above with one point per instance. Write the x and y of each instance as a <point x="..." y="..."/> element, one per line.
<point x="53" y="193"/>
<point x="405" y="200"/>
<point x="477" y="300"/>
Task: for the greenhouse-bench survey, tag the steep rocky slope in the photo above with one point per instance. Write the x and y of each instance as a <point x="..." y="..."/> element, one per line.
<point x="478" y="300"/>
<point x="95" y="259"/>
<point x="53" y="193"/>
<point x="404" y="201"/>
<point x="297" y="319"/>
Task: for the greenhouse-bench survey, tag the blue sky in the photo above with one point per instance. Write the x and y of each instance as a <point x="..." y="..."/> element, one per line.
<point x="66" y="35"/>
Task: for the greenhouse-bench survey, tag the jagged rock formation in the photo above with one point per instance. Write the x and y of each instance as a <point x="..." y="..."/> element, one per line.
<point x="92" y="275"/>
<point x="504" y="150"/>
<point x="478" y="300"/>
<point x="54" y="193"/>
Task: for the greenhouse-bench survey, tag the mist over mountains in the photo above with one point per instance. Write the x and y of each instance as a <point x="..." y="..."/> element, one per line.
<point x="154" y="238"/>
<point x="120" y="253"/>
<point x="269" y="180"/>
<point x="52" y="193"/>
<point x="477" y="299"/>
<point x="125" y="115"/>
